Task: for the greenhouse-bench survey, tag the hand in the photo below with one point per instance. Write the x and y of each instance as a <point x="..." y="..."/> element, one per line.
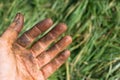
<point x="18" y="62"/>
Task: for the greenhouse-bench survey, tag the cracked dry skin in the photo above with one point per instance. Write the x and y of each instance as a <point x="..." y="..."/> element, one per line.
<point x="36" y="63"/>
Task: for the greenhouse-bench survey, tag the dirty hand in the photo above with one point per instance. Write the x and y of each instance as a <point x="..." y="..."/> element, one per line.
<point x="18" y="62"/>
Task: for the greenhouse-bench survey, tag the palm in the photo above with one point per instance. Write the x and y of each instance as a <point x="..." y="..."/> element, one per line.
<point x="36" y="63"/>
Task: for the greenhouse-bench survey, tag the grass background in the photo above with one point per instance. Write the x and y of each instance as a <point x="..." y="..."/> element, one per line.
<point x="93" y="24"/>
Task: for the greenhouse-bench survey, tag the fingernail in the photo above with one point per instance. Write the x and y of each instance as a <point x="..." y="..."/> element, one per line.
<point x="16" y="17"/>
<point x="19" y="20"/>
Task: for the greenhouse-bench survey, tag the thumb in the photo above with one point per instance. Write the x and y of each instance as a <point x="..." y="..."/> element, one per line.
<point x="13" y="30"/>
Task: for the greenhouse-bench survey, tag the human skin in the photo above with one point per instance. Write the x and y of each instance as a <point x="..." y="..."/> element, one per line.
<point x="18" y="62"/>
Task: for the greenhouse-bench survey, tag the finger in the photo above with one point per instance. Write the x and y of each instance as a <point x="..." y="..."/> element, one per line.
<point x="13" y="30"/>
<point x="27" y="38"/>
<point x="48" y="55"/>
<point x="44" y="42"/>
<point x="51" y="67"/>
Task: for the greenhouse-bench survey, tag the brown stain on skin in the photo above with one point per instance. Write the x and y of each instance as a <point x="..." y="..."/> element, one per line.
<point x="24" y="41"/>
<point x="19" y="21"/>
<point x="60" y="28"/>
<point x="29" y="69"/>
<point x="51" y="53"/>
<point x="33" y="32"/>
<point x="50" y="68"/>
<point x="37" y="47"/>
<point x="44" y="25"/>
<point x="53" y="34"/>
<point x="27" y="38"/>
<point x="19" y="63"/>
<point x="45" y="41"/>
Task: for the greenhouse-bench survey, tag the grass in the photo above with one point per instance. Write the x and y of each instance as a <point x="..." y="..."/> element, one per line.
<point x="93" y="24"/>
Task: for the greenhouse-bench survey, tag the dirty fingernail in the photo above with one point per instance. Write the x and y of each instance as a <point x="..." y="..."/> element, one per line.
<point x="19" y="20"/>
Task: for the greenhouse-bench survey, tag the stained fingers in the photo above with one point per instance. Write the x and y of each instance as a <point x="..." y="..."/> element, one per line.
<point x="44" y="42"/>
<point x="51" y="67"/>
<point x="46" y="56"/>
<point x="28" y="37"/>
